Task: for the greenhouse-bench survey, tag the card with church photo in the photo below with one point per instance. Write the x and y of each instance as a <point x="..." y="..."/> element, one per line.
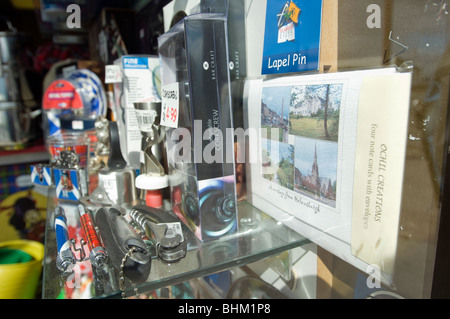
<point x="313" y="154"/>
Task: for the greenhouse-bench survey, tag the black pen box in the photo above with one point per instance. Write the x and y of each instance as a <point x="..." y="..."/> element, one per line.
<point x="194" y="61"/>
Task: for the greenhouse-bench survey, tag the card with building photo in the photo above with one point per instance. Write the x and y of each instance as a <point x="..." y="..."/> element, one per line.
<point x="314" y="121"/>
<point x="311" y="159"/>
<point x="299" y="134"/>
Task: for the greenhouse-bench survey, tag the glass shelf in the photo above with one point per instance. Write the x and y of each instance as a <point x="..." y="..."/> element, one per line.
<point x="259" y="237"/>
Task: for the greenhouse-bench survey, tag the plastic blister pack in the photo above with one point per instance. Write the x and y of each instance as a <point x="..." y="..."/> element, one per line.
<point x="91" y="89"/>
<point x="78" y="93"/>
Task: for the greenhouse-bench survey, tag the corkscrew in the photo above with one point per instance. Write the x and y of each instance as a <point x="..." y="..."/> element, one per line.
<point x="171" y="243"/>
<point x="126" y="250"/>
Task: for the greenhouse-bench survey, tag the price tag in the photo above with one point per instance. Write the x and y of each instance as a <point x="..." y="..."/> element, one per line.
<point x="77" y="125"/>
<point x="109" y="184"/>
<point x="113" y="74"/>
<point x="170" y="105"/>
<point x="146" y="119"/>
<point x="173" y="229"/>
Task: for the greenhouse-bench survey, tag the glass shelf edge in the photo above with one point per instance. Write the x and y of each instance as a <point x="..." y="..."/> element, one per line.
<point x="259" y="238"/>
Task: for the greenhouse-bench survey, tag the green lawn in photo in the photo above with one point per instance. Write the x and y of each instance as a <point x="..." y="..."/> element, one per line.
<point x="314" y="128"/>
